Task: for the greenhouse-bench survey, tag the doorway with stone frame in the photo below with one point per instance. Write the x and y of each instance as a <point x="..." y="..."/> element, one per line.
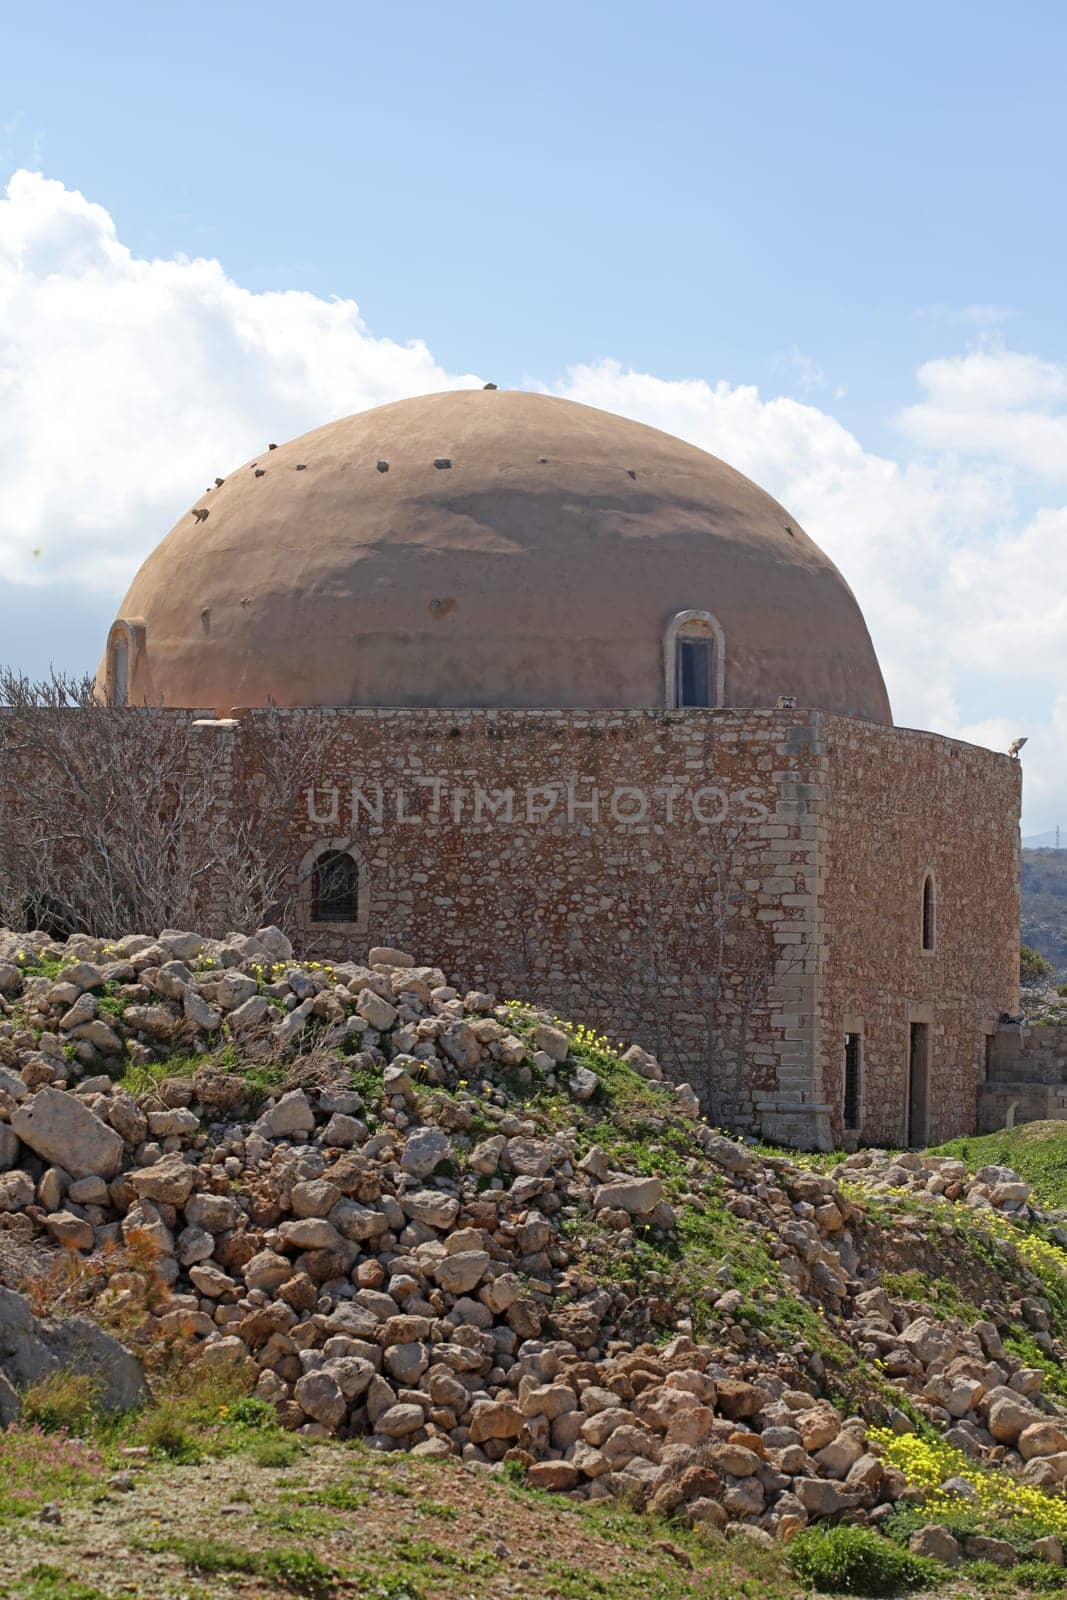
<point x="918" y="1110"/>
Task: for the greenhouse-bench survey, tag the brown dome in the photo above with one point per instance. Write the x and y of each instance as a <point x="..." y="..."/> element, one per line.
<point x="487" y="548"/>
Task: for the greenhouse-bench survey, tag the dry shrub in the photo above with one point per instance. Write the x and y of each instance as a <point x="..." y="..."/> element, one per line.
<point x="317" y="1069"/>
<point x="119" y="1287"/>
<point x="126" y="817"/>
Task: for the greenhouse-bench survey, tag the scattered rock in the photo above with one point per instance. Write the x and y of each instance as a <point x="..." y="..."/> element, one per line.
<point x="937" y="1543"/>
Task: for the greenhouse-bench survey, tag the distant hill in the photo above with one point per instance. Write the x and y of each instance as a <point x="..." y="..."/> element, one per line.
<point x="1044" y="904"/>
<point x="1041" y="841"/>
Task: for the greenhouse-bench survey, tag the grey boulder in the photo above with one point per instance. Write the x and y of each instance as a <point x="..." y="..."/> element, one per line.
<point x="32" y="1348"/>
<point x="64" y="1132"/>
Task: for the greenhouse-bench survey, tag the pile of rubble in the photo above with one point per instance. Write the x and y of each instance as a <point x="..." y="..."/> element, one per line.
<point x="397" y="1247"/>
<point x="930" y="1178"/>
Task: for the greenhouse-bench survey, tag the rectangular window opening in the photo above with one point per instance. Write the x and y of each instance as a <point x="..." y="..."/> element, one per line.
<point x="989" y="1038"/>
<point x="853" y="1062"/>
<point x="694" y="672"/>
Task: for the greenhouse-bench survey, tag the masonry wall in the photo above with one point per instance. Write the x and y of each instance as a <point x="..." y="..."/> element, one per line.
<point x="578" y="859"/>
<point x="900" y="804"/>
<point x="1027" y="1076"/>
<point x="733" y="889"/>
<point x="1029" y="1053"/>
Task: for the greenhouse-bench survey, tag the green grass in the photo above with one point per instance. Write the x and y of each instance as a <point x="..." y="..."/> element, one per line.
<point x="941" y="1294"/>
<point x="305" y="1522"/>
<point x="435" y="1508"/>
<point x="373" y="1584"/>
<point x="846" y="1560"/>
<point x="1039" y="1577"/>
<point x="47" y="1582"/>
<point x="347" y="1495"/>
<point x="62" y="1400"/>
<point x="300" y="1571"/>
<point x="814" y="1160"/>
<point x="279" y="1450"/>
<point x="38" y="1466"/>
<point x="1037" y="1151"/>
<point x="42" y="966"/>
<point x="963" y="1519"/>
<point x="1022" y="1344"/>
<point x="110" y="1006"/>
<point x="206" y="1412"/>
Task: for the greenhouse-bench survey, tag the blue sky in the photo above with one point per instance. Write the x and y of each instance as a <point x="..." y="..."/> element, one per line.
<point x="852" y="213"/>
<point x="692" y="188"/>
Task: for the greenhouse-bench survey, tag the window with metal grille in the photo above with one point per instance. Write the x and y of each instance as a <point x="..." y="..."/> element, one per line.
<point x="694" y="671"/>
<point x="929" y="914"/>
<point x="334" y="888"/>
<point x="853" y="1063"/>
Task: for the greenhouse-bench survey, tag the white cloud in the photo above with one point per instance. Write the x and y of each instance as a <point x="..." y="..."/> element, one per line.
<point x="996" y="403"/>
<point x="126" y="384"/>
<point x="797" y="370"/>
<point x="978" y="316"/>
<point x="964" y="599"/>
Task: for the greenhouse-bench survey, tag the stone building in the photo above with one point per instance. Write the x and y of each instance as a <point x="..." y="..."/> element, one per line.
<point x="606" y="729"/>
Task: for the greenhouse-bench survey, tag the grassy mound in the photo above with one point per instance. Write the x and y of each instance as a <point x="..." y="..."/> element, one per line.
<point x="1037" y="1151"/>
<point x="755" y="1256"/>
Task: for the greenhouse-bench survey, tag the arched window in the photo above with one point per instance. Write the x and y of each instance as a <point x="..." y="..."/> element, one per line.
<point x="693" y="660"/>
<point x="334" y="887"/>
<point x="122" y="662"/>
<point x="929" y="912"/>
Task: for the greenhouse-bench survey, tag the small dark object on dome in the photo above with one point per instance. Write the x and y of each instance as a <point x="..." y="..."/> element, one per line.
<point x="272" y="447"/>
<point x="789" y="531"/>
<point x="488" y="385"/>
<point x="442" y="463"/>
<point x="301" y="466"/>
<point x="261" y="472"/>
<point x="201" y="513"/>
<point x="219" y="482"/>
<point x="383" y="466"/>
<point x="630" y="473"/>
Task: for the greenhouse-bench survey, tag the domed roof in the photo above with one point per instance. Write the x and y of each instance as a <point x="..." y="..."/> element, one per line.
<point x="488" y="548"/>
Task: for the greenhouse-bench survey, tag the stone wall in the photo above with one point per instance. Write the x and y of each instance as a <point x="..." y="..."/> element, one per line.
<point x="1029" y="1053"/>
<point x="903" y="804"/>
<point x="1027" y="1076"/>
<point x="733" y="888"/>
<point x="578" y="859"/>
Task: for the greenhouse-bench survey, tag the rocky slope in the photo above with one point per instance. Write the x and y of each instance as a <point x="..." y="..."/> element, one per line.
<point x="1043" y="880"/>
<point x="457" y="1227"/>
